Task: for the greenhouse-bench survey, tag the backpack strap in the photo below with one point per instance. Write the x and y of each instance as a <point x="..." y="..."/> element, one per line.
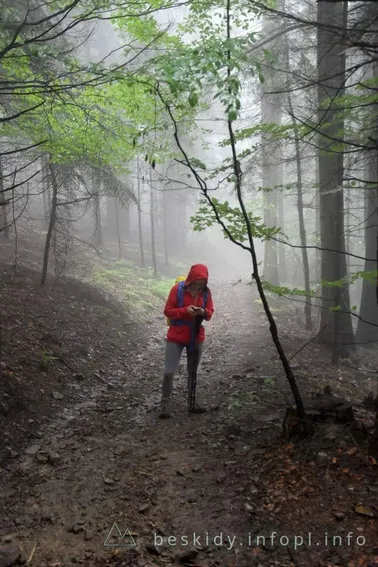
<point x="204" y="303"/>
<point x="180" y="294"/>
<point x="180" y="303"/>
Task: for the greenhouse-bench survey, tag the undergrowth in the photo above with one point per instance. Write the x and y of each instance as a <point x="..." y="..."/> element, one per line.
<point x="134" y="286"/>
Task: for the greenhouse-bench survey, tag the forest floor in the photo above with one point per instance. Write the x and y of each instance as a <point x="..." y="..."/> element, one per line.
<point x="84" y="454"/>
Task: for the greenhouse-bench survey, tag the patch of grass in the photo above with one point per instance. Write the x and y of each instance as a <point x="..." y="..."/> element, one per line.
<point x="134" y="286"/>
<point x="239" y="400"/>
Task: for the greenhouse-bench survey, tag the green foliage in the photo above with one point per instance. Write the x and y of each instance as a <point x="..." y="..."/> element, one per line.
<point x="48" y="357"/>
<point x="285" y="291"/>
<point x="136" y="287"/>
<point x="270" y="131"/>
<point x="240" y="400"/>
<point x="233" y="219"/>
<point x="351" y="278"/>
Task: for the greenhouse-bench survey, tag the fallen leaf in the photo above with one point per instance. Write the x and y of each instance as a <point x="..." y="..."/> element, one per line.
<point x="345" y="470"/>
<point x="372" y="461"/>
<point x="365" y="511"/>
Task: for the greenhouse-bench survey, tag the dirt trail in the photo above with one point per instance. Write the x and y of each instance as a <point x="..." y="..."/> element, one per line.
<point x="116" y="462"/>
<point x="111" y="460"/>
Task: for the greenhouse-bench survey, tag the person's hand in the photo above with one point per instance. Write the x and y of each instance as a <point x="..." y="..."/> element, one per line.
<point x="192" y="310"/>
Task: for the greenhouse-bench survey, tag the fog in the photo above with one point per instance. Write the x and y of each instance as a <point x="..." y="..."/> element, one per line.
<point x="140" y="138"/>
<point x="143" y="213"/>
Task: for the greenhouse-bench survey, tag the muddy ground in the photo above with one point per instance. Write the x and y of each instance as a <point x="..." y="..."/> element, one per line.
<point x="83" y="448"/>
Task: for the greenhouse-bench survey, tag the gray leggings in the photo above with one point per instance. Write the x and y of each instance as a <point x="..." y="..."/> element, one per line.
<point x="173" y="352"/>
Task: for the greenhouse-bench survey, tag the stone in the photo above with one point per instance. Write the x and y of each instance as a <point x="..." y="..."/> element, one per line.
<point x="33" y="449"/>
<point x="54" y="458"/>
<point x="187" y="556"/>
<point x="57" y="395"/>
<point x="76" y="529"/>
<point x="42" y="459"/>
<point x="153" y="549"/>
<point x="144" y="508"/>
<point x="241" y="448"/>
<point x="10" y="553"/>
<point x="85" y="405"/>
<point x="88" y="535"/>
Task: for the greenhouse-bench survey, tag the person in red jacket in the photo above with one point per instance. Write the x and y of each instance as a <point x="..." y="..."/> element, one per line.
<point x="185" y="322"/>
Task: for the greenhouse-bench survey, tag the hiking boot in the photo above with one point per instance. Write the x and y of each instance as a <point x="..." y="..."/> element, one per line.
<point x="164" y="410"/>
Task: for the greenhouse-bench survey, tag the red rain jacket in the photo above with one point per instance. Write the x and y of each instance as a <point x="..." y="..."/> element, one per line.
<point x="181" y="334"/>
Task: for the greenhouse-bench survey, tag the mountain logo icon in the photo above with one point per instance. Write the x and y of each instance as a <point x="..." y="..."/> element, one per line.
<point x="116" y="538"/>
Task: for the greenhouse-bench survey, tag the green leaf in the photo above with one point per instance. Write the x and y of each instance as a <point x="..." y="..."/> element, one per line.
<point x="232" y="115"/>
<point x="193" y="99"/>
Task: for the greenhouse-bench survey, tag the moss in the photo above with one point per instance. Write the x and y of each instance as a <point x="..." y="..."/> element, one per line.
<point x="135" y="287"/>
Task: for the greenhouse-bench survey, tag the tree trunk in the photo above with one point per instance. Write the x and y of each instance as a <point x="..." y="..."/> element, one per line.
<point x="338" y="332"/>
<point x="98" y="236"/>
<point x="98" y="239"/>
<point x="118" y="230"/>
<point x="46" y="195"/>
<point x="282" y="272"/>
<point x="271" y="162"/>
<point x="318" y="257"/>
<point x="54" y="202"/>
<point x="368" y="309"/>
<point x="4" y="228"/>
<point x="165" y="222"/>
<point x="152" y="220"/>
<point x="140" y="216"/>
<point x="127" y="217"/>
<point x="302" y="227"/>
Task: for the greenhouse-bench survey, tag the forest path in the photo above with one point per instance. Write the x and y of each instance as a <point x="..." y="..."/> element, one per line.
<point x="194" y="479"/>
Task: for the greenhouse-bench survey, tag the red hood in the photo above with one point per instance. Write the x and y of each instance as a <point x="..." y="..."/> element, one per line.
<point x="197" y="272"/>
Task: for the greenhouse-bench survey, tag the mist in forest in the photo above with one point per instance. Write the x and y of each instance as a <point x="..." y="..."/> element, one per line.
<point x="309" y="215"/>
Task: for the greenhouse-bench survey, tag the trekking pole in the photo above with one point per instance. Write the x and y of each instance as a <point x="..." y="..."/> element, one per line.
<point x="194" y="344"/>
<point x="192" y="397"/>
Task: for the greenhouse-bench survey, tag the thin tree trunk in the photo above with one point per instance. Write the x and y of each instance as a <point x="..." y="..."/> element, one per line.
<point x="140" y="216"/>
<point x="272" y="324"/>
<point x="98" y="237"/>
<point x="118" y="231"/>
<point x="127" y="218"/>
<point x="46" y="198"/>
<point x="282" y="272"/>
<point x="165" y="222"/>
<point x="318" y="258"/>
<point x="302" y="228"/>
<point x="54" y="202"/>
<point x="154" y="262"/>
<point x="3" y="207"/>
